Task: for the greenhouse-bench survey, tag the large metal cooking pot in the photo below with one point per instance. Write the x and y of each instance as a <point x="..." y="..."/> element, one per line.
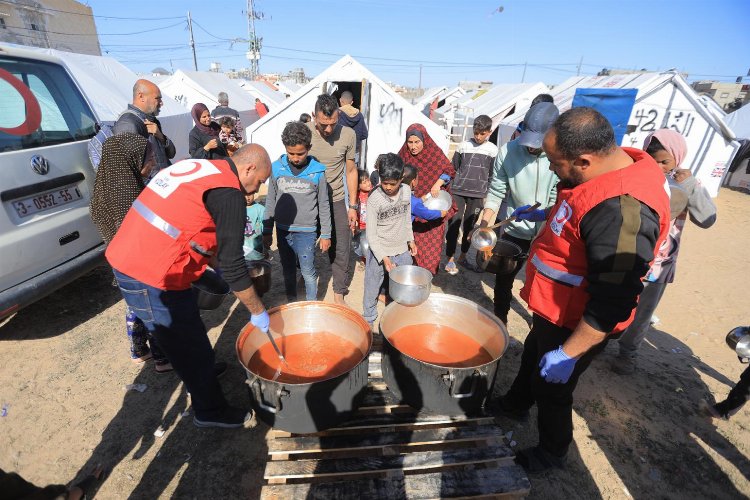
<point x="209" y="290"/>
<point x="409" y="285"/>
<point x="739" y="340"/>
<point x="312" y="406"/>
<point x="440" y="389"/>
<point x="502" y="260"/>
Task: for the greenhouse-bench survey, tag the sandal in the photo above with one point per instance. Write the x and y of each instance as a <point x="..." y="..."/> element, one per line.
<point x="451" y="268"/>
<point x="141" y="359"/>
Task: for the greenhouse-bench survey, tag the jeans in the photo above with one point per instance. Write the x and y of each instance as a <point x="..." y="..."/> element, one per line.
<point x="293" y="247"/>
<point x="173" y="319"/>
<point x="466" y="216"/>
<point x="504" y="282"/>
<point x="374" y="275"/>
<point x="737" y="396"/>
<point x="554" y="401"/>
<point x="632" y="337"/>
<point x="140" y="339"/>
<point x="341" y="247"/>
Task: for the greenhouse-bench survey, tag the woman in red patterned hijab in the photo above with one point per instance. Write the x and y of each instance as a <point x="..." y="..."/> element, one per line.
<point x="435" y="171"/>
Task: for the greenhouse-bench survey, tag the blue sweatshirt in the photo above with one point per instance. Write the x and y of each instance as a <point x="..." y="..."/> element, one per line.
<point x="295" y="203"/>
<point x="419" y="210"/>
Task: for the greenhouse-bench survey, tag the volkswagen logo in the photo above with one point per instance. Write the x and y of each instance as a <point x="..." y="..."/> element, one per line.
<point x="39" y="164"/>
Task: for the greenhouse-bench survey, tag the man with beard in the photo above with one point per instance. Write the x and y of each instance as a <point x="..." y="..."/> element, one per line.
<point x="583" y="276"/>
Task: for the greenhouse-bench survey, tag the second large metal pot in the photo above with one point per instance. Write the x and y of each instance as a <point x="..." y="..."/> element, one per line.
<point x="313" y="406"/>
<point x="440" y="389"/>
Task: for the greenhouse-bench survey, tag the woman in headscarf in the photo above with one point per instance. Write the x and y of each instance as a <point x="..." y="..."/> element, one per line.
<point x="126" y="161"/>
<point x="435" y="172"/>
<point x="204" y="140"/>
<point x="668" y="149"/>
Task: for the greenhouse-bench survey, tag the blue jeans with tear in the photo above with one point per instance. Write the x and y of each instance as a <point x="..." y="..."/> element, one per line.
<point x="298" y="246"/>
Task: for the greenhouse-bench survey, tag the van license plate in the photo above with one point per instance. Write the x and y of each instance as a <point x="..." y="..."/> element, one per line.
<point x="46" y="201"/>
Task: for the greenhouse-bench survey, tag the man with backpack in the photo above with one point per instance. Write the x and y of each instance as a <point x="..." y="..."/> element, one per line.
<point x="140" y="118"/>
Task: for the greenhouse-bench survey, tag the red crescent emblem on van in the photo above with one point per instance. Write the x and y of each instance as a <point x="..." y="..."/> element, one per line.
<point x="33" y="111"/>
<point x="189" y="172"/>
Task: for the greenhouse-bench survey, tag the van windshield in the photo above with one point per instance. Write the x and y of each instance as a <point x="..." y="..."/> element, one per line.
<point x="40" y="106"/>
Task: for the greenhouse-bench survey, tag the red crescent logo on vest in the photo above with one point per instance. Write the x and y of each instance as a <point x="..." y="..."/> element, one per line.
<point x="563" y="214"/>
<point x="33" y="111"/>
<point x="189" y="172"/>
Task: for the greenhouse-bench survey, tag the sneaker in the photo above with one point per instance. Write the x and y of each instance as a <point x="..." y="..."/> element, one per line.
<point x="537" y="460"/>
<point x="230" y="418"/>
<point x="498" y="407"/>
<point x="623" y="365"/>
<point x="451" y="268"/>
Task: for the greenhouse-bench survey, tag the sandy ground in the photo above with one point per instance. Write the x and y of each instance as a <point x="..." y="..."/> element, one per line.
<point x="65" y="364"/>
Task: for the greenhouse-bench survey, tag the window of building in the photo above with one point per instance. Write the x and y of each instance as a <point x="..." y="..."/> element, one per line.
<point x="2" y="23"/>
<point x="724" y="95"/>
<point x="34" y="27"/>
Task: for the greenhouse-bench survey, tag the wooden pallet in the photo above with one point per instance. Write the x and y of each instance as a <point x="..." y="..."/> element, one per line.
<point x="389" y="451"/>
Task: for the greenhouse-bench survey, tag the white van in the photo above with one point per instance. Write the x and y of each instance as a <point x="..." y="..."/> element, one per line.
<point x="47" y="238"/>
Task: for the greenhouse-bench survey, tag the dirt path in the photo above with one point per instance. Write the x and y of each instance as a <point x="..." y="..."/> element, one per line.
<point x="64" y="366"/>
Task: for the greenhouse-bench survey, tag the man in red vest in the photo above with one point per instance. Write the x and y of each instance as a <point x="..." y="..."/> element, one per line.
<point x="189" y="214"/>
<point x="583" y="276"/>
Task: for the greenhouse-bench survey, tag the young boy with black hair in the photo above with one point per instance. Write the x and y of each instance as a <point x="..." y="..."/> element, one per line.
<point x="411" y="179"/>
<point x="388" y="229"/>
<point x="297" y="201"/>
<point x="473" y="162"/>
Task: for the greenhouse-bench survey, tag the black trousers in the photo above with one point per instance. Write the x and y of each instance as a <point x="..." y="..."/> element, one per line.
<point x="465" y="217"/>
<point x="554" y="401"/>
<point x="738" y="395"/>
<point x="504" y="282"/>
<point x="341" y="247"/>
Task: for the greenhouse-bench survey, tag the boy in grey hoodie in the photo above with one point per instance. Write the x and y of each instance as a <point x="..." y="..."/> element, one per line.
<point x="297" y="201"/>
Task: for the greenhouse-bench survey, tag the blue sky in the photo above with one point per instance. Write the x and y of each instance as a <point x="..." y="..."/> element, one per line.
<point x="453" y="40"/>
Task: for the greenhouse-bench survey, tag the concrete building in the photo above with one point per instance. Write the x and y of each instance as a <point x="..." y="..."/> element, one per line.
<point x="729" y="96"/>
<point x="58" y="24"/>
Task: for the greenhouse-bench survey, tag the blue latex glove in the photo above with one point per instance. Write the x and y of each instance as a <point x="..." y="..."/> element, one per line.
<point x="261" y="320"/>
<point x="556" y="366"/>
<point x="521" y="213"/>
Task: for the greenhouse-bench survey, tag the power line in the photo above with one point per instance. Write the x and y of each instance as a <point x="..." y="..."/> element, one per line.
<point x="97" y="34"/>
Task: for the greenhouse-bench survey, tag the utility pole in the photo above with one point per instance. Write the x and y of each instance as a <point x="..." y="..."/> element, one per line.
<point x="192" y="41"/>
<point x="523" y="77"/>
<point x="254" y="43"/>
<point x="580" y="63"/>
<point x="420" y="80"/>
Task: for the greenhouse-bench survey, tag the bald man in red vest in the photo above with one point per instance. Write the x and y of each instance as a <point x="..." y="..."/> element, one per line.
<point x="584" y="271"/>
<point x="189" y="214"/>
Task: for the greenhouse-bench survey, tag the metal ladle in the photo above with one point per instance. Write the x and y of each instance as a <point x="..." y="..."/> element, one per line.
<point x="484" y="239"/>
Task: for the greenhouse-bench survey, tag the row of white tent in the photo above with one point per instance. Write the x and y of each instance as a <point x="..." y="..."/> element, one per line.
<point x="663" y="100"/>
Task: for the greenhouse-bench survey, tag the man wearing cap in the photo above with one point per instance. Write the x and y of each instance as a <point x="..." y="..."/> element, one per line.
<point x="521" y="176"/>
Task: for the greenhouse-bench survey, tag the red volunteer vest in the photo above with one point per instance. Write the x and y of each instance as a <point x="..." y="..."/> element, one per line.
<point x="555" y="287"/>
<point x="168" y="236"/>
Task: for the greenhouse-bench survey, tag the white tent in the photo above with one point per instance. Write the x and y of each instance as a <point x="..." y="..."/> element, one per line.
<point x="262" y="91"/>
<point x="192" y="87"/>
<point x="739" y="122"/>
<point x="443" y="95"/>
<point x="496" y="102"/>
<point x="663" y="100"/>
<point x="429" y="95"/>
<point x="108" y="87"/>
<point x="387" y="113"/>
<point x="288" y="87"/>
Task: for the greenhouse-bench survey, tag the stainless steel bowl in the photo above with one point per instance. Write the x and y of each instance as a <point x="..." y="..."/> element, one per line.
<point x="483" y="239"/>
<point x="678" y="199"/>
<point x="409" y="285"/>
<point x="260" y="273"/>
<point x="739" y="340"/>
<point x="360" y="245"/>
<point x="442" y="202"/>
